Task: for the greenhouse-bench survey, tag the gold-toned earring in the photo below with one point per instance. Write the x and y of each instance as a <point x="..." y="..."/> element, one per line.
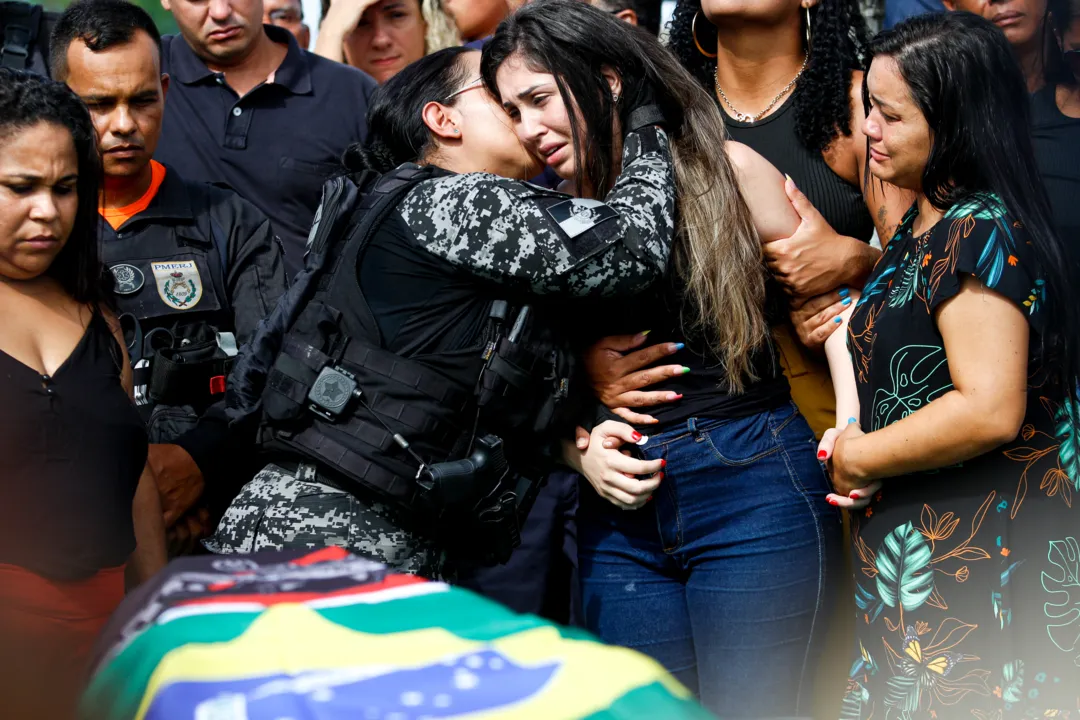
<point x="693" y="34"/>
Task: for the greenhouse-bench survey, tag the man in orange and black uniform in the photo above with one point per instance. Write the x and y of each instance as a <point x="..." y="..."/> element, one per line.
<point x="195" y="266"/>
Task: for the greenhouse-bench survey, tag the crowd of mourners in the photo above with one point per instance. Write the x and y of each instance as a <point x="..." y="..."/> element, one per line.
<point x="747" y="339"/>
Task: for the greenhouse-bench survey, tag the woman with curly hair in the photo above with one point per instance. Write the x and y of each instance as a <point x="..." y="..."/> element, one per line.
<point x="786" y="75"/>
<point x="382" y="36"/>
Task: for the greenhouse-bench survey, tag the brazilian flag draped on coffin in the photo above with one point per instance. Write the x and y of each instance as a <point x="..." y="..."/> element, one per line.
<point x="326" y="635"/>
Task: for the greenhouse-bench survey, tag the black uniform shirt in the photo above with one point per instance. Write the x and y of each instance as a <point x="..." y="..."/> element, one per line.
<point x="197" y="254"/>
<point x="234" y="273"/>
<point x="277" y="144"/>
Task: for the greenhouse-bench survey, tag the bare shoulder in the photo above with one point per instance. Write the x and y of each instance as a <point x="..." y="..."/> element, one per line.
<point x="845" y="153"/>
<point x="856" y="90"/>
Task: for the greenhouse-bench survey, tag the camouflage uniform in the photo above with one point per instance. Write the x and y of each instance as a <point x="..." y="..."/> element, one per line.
<point x="513" y="232"/>
<point x="279" y="511"/>
<point x="538" y="242"/>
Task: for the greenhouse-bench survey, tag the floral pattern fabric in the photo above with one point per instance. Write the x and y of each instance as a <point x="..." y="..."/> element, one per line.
<point x="967" y="577"/>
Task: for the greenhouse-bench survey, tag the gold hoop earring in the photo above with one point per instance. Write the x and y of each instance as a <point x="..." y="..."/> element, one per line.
<point x="807" y="8"/>
<point x="693" y="34"/>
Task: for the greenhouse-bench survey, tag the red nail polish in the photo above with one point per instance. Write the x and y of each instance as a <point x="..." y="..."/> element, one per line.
<point x="636" y="436"/>
<point x="822" y="455"/>
<point x="854" y="496"/>
<point x="660" y="476"/>
<point x="833" y="502"/>
<point x="663" y="463"/>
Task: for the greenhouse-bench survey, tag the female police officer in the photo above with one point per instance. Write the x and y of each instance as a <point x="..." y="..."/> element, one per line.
<point x="408" y="341"/>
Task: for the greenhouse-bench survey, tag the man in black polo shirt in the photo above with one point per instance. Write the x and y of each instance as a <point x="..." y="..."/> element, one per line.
<point x="249" y="108"/>
<point x="195" y="267"/>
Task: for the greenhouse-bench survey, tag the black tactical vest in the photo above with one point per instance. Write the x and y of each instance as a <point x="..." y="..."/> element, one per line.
<point x="169" y="288"/>
<point x="450" y="438"/>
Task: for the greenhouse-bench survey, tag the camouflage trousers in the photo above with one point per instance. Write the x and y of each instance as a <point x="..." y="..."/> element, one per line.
<point x="279" y="511"/>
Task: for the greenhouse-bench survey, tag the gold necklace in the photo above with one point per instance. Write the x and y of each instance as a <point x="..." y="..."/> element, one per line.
<point x="747" y="118"/>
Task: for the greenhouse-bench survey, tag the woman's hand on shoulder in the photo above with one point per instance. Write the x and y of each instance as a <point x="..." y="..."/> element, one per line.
<point x="815" y="258"/>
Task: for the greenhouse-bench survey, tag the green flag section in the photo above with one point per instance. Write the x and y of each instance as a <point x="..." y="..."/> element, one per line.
<point x="328" y="636"/>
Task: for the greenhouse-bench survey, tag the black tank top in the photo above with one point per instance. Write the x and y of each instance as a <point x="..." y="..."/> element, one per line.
<point x="704" y="390"/>
<point x="774" y="138"/>
<point x="1055" y="138"/>
<point x="72" y="448"/>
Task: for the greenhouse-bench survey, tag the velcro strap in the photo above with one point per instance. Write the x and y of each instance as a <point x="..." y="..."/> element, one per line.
<point x="645" y="116"/>
<point x="508" y="372"/>
<point x="310" y="356"/>
<point x="295" y="369"/>
<point x="400" y="487"/>
<point x="295" y="390"/>
<point x="184" y="383"/>
<point x="435" y="430"/>
<point x="435" y="386"/>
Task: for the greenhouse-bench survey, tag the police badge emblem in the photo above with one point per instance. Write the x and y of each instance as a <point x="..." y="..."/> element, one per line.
<point x="178" y="283"/>
<point x="580" y="215"/>
<point x="127" y="279"/>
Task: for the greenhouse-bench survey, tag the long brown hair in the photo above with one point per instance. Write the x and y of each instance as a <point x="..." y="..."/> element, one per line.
<point x="717" y="253"/>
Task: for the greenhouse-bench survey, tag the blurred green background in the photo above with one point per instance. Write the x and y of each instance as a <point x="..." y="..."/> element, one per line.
<point x="162" y="18"/>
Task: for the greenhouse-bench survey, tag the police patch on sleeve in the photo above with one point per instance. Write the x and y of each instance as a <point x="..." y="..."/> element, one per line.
<point x="580" y="215"/>
<point x="178" y="283"/>
<point x="127" y="279"/>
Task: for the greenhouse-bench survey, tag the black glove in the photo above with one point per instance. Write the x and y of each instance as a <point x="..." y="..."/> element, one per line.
<point x="641" y="107"/>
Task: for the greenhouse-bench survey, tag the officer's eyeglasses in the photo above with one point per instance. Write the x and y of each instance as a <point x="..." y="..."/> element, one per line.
<point x="478" y="82"/>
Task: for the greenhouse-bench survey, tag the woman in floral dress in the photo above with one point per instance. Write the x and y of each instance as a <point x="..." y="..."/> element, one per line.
<point x="963" y="342"/>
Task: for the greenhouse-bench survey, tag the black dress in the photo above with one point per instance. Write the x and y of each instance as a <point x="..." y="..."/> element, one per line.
<point x="967" y="577"/>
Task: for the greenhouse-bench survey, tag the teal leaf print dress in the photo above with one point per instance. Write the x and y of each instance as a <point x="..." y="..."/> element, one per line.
<point x="967" y="577"/>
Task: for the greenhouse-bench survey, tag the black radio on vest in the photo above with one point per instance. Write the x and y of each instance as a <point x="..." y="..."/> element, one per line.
<point x="447" y="436"/>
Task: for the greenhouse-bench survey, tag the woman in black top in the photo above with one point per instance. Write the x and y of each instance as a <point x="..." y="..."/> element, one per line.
<point x="1035" y="29"/>
<point x="75" y="495"/>
<point x="785" y="74"/>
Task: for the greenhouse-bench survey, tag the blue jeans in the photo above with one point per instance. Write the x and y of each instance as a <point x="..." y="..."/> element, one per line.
<point x="724" y="577"/>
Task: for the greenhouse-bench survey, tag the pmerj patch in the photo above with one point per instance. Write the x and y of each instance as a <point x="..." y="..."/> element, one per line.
<point x="178" y="283"/>
<point x="128" y="279"/>
<point x="580" y="215"/>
